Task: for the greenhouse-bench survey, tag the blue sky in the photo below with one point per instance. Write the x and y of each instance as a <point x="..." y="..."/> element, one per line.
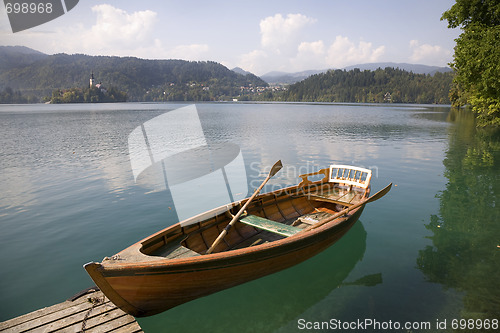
<point x="258" y="36"/>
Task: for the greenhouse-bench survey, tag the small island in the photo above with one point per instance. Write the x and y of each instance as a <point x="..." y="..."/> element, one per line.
<point x="95" y="93"/>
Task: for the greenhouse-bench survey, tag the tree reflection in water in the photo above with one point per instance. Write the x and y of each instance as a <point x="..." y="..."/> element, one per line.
<point x="465" y="254"/>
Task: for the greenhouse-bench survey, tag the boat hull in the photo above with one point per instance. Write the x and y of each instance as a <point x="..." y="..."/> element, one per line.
<point x="148" y="288"/>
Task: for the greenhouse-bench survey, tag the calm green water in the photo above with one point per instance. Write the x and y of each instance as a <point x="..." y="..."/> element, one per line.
<point x="427" y="252"/>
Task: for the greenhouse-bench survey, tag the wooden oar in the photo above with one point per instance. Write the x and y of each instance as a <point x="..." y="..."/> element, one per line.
<point x="374" y="197"/>
<point x="276" y="167"/>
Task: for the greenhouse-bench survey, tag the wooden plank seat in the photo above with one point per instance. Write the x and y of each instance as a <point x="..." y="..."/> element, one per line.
<point x="269" y="225"/>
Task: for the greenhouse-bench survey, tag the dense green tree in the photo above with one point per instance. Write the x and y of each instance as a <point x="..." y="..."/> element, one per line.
<point x="387" y="85"/>
<point x="477" y="58"/>
<point x="467" y="12"/>
<point x="87" y="95"/>
<point x="9" y="96"/>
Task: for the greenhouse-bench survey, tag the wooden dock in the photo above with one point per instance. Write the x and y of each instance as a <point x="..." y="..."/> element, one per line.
<point x="90" y="311"/>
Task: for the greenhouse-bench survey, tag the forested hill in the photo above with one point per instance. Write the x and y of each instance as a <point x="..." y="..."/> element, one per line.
<point x="18" y="56"/>
<point x="142" y="80"/>
<point x="381" y="85"/>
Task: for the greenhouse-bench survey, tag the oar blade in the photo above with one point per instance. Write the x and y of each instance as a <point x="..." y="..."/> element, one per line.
<point x="379" y="194"/>
<point x="276" y="167"/>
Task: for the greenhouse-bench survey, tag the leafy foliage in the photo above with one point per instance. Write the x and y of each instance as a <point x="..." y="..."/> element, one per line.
<point x="382" y="85"/>
<point x="466" y="12"/>
<point x="477" y="58"/>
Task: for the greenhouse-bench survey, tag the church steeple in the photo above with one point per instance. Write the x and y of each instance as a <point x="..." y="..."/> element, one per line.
<point x="92" y="80"/>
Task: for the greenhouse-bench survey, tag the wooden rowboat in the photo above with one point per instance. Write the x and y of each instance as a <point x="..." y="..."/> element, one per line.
<point x="277" y="230"/>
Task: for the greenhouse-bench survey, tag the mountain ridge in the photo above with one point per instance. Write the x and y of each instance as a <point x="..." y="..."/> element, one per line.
<point x="15" y="56"/>
<point x="415" y="68"/>
<point x="276" y="77"/>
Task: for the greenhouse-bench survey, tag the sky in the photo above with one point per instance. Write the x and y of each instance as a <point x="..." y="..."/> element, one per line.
<point x="257" y="36"/>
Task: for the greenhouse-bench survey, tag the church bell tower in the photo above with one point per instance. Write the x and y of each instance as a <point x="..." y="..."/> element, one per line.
<point x="92" y="80"/>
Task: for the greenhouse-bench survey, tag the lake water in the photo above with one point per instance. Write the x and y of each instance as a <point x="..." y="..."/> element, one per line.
<point x="427" y="252"/>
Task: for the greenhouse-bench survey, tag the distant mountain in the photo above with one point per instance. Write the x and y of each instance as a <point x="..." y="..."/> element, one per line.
<point x="36" y="74"/>
<point x="415" y="68"/>
<point x="288" y="78"/>
<point x="241" y="71"/>
<point x="16" y="56"/>
<point x="250" y="76"/>
<point x="19" y="49"/>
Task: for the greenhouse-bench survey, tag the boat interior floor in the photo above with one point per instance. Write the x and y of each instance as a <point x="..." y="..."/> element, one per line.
<point x="176" y="250"/>
<point x="339" y="195"/>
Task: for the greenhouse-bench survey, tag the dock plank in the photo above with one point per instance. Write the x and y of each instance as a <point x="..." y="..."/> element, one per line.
<point x="92" y="312"/>
<point x="96" y="317"/>
<point x="55" y="319"/>
<point x="119" y="323"/>
<point x="39" y="313"/>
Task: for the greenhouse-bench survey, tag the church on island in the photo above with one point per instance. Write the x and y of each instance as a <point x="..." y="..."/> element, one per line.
<point x="98" y="85"/>
<point x="95" y="93"/>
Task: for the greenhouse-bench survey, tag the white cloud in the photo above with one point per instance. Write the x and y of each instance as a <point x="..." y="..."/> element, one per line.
<point x="284" y="48"/>
<point x="314" y="48"/>
<point x="280" y="34"/>
<point x="313" y="55"/>
<point x="255" y="61"/>
<point x="132" y="34"/>
<point x="429" y="54"/>
<point x="310" y="55"/>
<point x="115" y="28"/>
<point x="340" y="53"/>
<point x="344" y="52"/>
<point x="114" y="32"/>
